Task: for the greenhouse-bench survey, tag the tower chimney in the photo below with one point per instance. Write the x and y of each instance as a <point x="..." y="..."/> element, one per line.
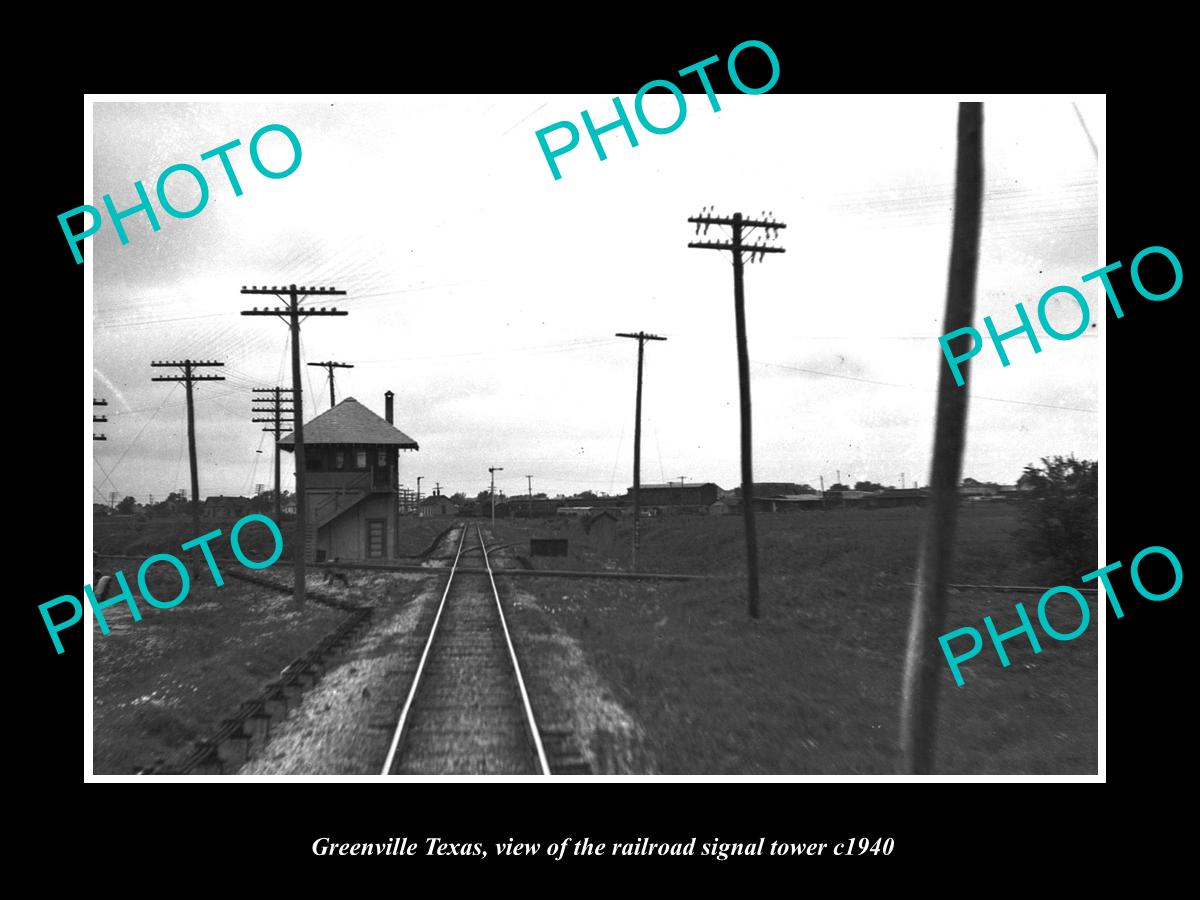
<point x="388" y="398"/>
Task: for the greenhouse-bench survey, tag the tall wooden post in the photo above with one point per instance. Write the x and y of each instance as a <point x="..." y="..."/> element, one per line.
<point x="641" y="337"/>
<point x="923" y="657"/>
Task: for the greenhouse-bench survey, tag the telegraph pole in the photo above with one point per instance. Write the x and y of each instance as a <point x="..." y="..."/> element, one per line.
<point x="96" y="418"/>
<point x="529" y="478"/>
<point x="922" y="667"/>
<point x="494" y="470"/>
<point x="741" y="228"/>
<point x="293" y="314"/>
<point x="276" y="421"/>
<point x="329" y="366"/>
<point x="189" y="377"/>
<point x="641" y="337"/>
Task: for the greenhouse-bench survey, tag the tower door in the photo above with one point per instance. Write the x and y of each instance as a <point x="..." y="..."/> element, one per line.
<point x="376" y="538"/>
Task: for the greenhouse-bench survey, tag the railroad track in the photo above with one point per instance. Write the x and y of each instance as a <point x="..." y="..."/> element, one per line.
<point x="467" y="711"/>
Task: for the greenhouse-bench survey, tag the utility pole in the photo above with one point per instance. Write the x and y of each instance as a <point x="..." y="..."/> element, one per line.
<point x="901" y="481"/>
<point x="529" y="478"/>
<point x="276" y="421"/>
<point x="96" y="418"/>
<point x="494" y="470"/>
<point x="419" y="477"/>
<point x="437" y="489"/>
<point x="329" y="366"/>
<point x="188" y="377"/>
<point x="641" y="337"/>
<point x="922" y="658"/>
<point x="293" y="314"/>
<point x="741" y="229"/>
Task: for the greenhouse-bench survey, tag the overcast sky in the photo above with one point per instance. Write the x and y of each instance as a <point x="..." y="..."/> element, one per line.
<point x="486" y="294"/>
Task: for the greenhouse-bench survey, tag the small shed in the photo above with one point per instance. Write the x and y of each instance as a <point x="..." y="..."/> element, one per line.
<point x="437" y="505"/>
<point x="224" y="508"/>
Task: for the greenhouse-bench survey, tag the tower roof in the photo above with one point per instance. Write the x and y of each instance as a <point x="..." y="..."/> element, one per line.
<point x="351" y="423"/>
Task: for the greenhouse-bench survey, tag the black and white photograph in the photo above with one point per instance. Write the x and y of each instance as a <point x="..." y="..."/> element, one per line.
<point x="531" y="435"/>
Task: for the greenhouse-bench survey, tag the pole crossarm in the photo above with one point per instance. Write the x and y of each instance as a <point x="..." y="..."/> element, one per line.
<point x="753" y="248"/>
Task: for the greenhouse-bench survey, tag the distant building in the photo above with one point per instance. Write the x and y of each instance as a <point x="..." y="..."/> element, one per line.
<point x="973" y="489"/>
<point x="899" y="497"/>
<point x="770" y="489"/>
<point x="696" y="494"/>
<point x="223" y="508"/>
<point x="789" y="503"/>
<point x="351" y="462"/>
<point x="437" y="505"/>
<point x="524" y="507"/>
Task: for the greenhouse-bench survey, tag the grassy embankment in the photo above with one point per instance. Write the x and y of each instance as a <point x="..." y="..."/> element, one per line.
<point x="813" y="685"/>
<point x="163" y="682"/>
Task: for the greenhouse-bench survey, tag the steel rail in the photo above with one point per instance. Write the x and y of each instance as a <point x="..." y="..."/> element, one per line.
<point x="416" y="682"/>
<point x="532" y="723"/>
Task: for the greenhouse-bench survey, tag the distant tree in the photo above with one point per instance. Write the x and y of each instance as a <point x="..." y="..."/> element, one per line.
<point x="805" y="489"/>
<point x="867" y="486"/>
<point x="127" y="506"/>
<point x="101" y="509"/>
<point x="1059" y="521"/>
<point x="839" y="487"/>
<point x="484" y="496"/>
<point x="587" y="495"/>
<point x="458" y="499"/>
<point x="540" y="496"/>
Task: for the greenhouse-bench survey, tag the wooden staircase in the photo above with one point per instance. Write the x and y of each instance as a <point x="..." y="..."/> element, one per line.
<point x="328" y="509"/>
<point x="336" y="504"/>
